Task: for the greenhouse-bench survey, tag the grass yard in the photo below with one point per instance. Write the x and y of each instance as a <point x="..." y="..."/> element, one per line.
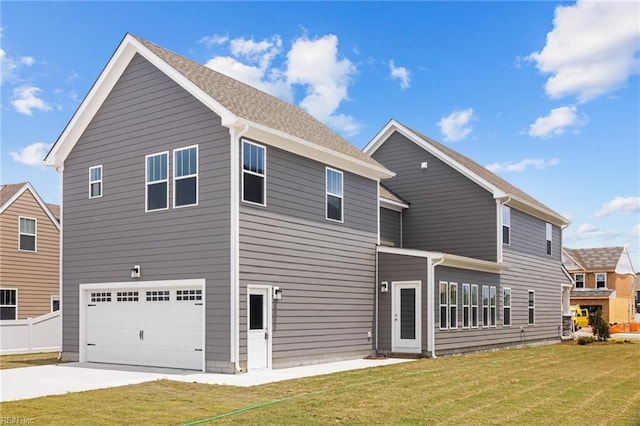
<point x="28" y="360"/>
<point x="595" y="384"/>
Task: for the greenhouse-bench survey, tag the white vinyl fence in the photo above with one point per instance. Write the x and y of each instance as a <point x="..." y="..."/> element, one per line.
<point x="41" y="334"/>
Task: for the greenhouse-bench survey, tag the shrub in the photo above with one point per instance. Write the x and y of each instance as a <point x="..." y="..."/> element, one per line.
<point x="583" y="340"/>
<point x="600" y="326"/>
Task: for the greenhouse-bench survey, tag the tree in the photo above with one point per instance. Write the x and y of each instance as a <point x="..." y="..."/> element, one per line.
<point x="600" y="326"/>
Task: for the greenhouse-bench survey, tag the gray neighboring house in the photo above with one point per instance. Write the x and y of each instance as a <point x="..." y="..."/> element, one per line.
<point x="208" y="225"/>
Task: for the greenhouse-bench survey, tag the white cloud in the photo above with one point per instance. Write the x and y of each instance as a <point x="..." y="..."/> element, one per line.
<point x="25" y="100"/>
<point x="587" y="231"/>
<point x="521" y="166"/>
<point x="31" y="155"/>
<point x="27" y="60"/>
<point x="625" y="205"/>
<point x="455" y="126"/>
<point x="635" y="231"/>
<point x="591" y="49"/>
<point x="262" y="52"/>
<point x="209" y="41"/>
<point x="558" y="120"/>
<point x="7" y="67"/>
<point x="400" y="73"/>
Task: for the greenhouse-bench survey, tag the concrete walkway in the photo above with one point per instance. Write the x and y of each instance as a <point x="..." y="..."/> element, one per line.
<point x="33" y="382"/>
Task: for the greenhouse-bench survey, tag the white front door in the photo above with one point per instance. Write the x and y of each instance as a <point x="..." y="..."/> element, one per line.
<point x="258" y="328"/>
<point x="405" y="315"/>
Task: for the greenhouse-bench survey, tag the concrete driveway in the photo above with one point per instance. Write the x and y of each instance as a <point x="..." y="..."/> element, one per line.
<point x="33" y="382"/>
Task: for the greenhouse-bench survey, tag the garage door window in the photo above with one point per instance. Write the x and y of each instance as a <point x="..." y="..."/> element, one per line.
<point x="101" y="297"/>
<point x="188" y="295"/>
<point x="127" y="296"/>
<point x="158" y="296"/>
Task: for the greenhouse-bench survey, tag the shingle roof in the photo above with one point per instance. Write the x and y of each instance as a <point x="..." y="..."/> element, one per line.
<point x="55" y="210"/>
<point x="390" y="195"/>
<point x="485" y="174"/>
<point x="257" y="106"/>
<point x="596" y="259"/>
<point x="9" y="190"/>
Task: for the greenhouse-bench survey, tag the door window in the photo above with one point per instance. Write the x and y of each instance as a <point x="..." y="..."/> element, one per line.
<point x="256" y="312"/>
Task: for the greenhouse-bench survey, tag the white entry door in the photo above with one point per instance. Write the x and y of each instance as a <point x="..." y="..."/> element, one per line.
<point x="405" y="315"/>
<point x="258" y="328"/>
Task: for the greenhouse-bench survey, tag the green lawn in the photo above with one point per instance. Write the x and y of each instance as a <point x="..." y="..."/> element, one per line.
<point x="557" y="385"/>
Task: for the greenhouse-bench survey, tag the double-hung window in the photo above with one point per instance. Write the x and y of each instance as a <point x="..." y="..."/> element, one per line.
<point x="485" y="306"/>
<point x="601" y="280"/>
<point x="8" y="303"/>
<point x="453" y="305"/>
<point x="334" y="188"/>
<point x="95" y="181"/>
<point x="506" y="306"/>
<point x="493" y="305"/>
<point x="27" y="234"/>
<point x="443" y="305"/>
<point x="548" y="232"/>
<point x="506" y="225"/>
<point x="253" y="173"/>
<point x="579" y="280"/>
<point x="157" y="181"/>
<point x="532" y="307"/>
<point x="466" y="305"/>
<point x="185" y="176"/>
<point x="474" y="305"/>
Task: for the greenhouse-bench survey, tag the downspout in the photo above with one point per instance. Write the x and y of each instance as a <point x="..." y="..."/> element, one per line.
<point x="61" y="171"/>
<point x="431" y="317"/>
<point x="234" y="247"/>
<point x="375" y="290"/>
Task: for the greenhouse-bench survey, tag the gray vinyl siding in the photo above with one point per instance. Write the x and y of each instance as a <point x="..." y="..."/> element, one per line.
<point x="326" y="273"/>
<point x="393" y="267"/>
<point x="390" y="227"/>
<point x="296" y="187"/>
<point x="104" y="237"/>
<point x="528" y="235"/>
<point x="449" y="212"/>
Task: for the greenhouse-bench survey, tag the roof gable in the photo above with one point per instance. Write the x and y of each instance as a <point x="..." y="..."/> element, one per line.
<point x="240" y="106"/>
<point x="500" y="188"/>
<point x="611" y="259"/>
<point x="11" y="192"/>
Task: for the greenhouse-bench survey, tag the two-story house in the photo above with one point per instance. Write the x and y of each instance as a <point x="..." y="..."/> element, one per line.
<point x="211" y="226"/>
<point x="30" y="253"/>
<point x="604" y="279"/>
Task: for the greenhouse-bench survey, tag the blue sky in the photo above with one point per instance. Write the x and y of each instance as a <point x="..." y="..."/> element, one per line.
<point x="545" y="94"/>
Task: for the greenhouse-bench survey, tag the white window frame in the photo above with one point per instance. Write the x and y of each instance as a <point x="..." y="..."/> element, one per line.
<point x="327" y="194"/>
<point x="16" y="299"/>
<point x="506" y="223"/>
<point x="443" y="286"/>
<point x="34" y="235"/>
<point x="99" y="181"/>
<point x="453" y="306"/>
<point x="55" y="299"/>
<point x="506" y="306"/>
<point x="493" y="306"/>
<point x="466" y="288"/>
<point x="549" y="235"/>
<point x="604" y="281"/>
<point x="531" y="308"/>
<point x="475" y="318"/>
<point x="575" y="277"/>
<point x="147" y="182"/>
<point x="262" y="175"/>
<point x="177" y="178"/>
<point x="485" y="308"/>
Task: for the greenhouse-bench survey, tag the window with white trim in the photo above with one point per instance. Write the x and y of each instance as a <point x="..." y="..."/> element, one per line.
<point x="485" y="306"/>
<point x="506" y="306"/>
<point x="185" y="176"/>
<point x="453" y="305"/>
<point x="443" y="305"/>
<point x="601" y="280"/>
<point x="548" y="232"/>
<point x="532" y="307"/>
<point x="157" y="181"/>
<point x="334" y="189"/>
<point x="254" y="173"/>
<point x="579" y="278"/>
<point x="474" y="305"/>
<point x="493" y="295"/>
<point x="506" y="225"/>
<point x="466" y="305"/>
<point x="95" y="181"/>
<point x="27" y="234"/>
<point x="185" y="295"/>
<point x="55" y="303"/>
<point x="8" y="303"/>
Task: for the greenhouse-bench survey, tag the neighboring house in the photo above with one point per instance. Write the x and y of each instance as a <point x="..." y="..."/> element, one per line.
<point x="30" y="253"/>
<point x="211" y="226"/>
<point x="604" y="279"/>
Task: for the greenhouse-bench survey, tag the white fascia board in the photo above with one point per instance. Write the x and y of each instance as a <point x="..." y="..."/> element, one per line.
<point x="526" y="207"/>
<point x="451" y="260"/>
<point x="105" y="84"/>
<point x="314" y="151"/>
<point x="410" y="252"/>
<point x="392" y="204"/>
<point x="28" y="187"/>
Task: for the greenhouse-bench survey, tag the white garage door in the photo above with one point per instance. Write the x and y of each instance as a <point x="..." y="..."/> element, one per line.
<point x="160" y="327"/>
